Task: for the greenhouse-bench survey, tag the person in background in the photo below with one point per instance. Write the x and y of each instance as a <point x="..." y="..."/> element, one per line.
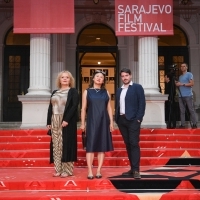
<point x="99" y="125"/>
<point x="62" y="120"/>
<point x="129" y="111"/>
<point x="185" y="83"/>
<point x="170" y="104"/>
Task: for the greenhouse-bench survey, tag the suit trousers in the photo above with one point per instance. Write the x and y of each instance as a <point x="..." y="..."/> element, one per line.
<point x="130" y="130"/>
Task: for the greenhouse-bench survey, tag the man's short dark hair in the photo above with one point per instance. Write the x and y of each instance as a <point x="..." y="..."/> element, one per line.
<point x="185" y="64"/>
<point x="126" y="70"/>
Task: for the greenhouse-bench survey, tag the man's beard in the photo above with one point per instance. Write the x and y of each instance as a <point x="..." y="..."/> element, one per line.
<point x="126" y="83"/>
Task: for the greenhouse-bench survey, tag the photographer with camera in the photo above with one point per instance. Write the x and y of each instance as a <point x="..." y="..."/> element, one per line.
<point x="184" y="85"/>
<point x="170" y="104"/>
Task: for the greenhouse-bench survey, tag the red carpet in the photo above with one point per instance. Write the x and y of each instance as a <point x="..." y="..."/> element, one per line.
<point x="160" y="183"/>
<point x="30" y="148"/>
<point x="170" y="168"/>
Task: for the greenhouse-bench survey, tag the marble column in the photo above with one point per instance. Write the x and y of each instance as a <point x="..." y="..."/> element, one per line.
<point x="58" y="56"/>
<point x="148" y="64"/>
<point x="35" y="102"/>
<point x="135" y="71"/>
<point x="132" y="45"/>
<point x="148" y="78"/>
<point x="39" y="64"/>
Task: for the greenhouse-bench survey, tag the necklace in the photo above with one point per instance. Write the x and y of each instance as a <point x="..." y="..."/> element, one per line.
<point x="97" y="90"/>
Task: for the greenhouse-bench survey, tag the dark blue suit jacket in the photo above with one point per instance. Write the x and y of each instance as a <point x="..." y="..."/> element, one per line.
<point x="134" y="103"/>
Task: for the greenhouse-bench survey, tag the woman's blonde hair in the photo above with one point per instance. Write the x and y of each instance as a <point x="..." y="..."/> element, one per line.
<point x="72" y="81"/>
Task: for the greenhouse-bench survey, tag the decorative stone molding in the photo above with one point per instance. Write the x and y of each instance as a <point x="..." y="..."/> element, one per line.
<point x="155" y="111"/>
<point x="34" y="110"/>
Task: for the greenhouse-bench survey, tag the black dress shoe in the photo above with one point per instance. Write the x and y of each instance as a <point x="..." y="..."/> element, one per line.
<point x="181" y="126"/>
<point x="128" y="173"/>
<point x="136" y="175"/>
<point x="90" y="177"/>
<point x="194" y="126"/>
<point x="98" y="176"/>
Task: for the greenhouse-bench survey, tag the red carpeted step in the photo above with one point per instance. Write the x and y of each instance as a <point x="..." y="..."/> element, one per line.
<point x="27" y="132"/>
<point x="155" y="153"/>
<point x="24" y="145"/>
<point x="25" y="162"/>
<point x="161" y="144"/>
<point x="38" y="183"/>
<point x="23" y="132"/>
<point x="166" y="131"/>
<point x="44" y="153"/>
<point x="60" y="184"/>
<point x="162" y="137"/>
<point x="29" y="149"/>
<point x="170" y="131"/>
<point x="152" y="137"/>
<point x="33" y="153"/>
<point x="109" y="161"/>
<point x="116" y="138"/>
<point x="98" y="195"/>
<point x="169" y="137"/>
<point x="117" y="153"/>
<point x="170" y="144"/>
<point x="32" y="147"/>
<point x="41" y="145"/>
<point x="31" y="138"/>
<point x="115" y="132"/>
<point x="67" y="195"/>
<point x="117" y="144"/>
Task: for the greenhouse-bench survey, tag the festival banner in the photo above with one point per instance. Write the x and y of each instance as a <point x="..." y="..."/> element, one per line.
<point x="44" y="16"/>
<point x="143" y="17"/>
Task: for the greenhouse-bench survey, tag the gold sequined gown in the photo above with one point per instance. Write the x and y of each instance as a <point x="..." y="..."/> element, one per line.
<point x="58" y="101"/>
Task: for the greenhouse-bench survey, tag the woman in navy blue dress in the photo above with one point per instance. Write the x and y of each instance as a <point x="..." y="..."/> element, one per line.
<point x="99" y="123"/>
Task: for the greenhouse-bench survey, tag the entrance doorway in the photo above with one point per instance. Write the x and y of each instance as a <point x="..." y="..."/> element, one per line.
<point x="97" y="49"/>
<point x="16" y="74"/>
<point x="87" y="71"/>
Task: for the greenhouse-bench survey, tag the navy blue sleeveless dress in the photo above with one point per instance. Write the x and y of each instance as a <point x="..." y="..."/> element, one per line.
<point x="99" y="138"/>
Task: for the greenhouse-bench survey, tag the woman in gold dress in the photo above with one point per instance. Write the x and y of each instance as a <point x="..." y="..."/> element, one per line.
<point x="62" y="120"/>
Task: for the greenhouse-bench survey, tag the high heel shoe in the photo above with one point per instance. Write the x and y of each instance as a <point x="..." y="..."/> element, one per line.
<point x="64" y="175"/>
<point x="90" y="177"/>
<point x="56" y="174"/>
<point x="98" y="176"/>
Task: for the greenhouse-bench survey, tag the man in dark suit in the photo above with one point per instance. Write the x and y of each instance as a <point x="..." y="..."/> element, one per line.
<point x="129" y="111"/>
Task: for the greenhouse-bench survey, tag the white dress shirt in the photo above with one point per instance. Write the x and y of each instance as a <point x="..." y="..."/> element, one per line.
<point x="122" y="98"/>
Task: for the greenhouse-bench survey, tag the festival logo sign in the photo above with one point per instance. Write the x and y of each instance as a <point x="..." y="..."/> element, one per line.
<point x="143" y="17"/>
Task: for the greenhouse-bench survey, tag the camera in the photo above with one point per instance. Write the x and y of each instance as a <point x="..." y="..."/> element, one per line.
<point x="173" y="67"/>
<point x="172" y="71"/>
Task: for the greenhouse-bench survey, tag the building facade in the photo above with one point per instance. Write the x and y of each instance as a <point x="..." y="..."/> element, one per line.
<point x="29" y="63"/>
